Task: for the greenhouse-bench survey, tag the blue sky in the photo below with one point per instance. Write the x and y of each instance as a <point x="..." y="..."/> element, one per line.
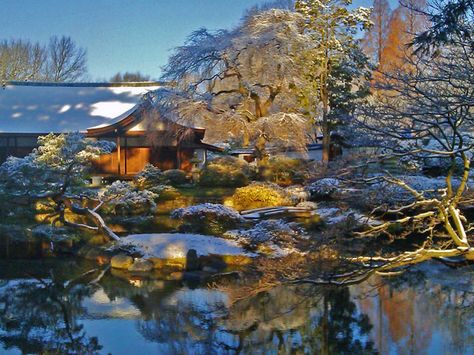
<point x="120" y="35"/>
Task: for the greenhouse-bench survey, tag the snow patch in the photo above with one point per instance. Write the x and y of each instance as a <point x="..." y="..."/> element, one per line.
<point x="176" y="245"/>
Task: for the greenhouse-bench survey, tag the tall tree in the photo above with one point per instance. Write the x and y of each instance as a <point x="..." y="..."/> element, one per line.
<point x="332" y="28"/>
<point x="375" y="39"/>
<point x="241" y="82"/>
<point x="406" y="21"/>
<point x="66" y="61"/>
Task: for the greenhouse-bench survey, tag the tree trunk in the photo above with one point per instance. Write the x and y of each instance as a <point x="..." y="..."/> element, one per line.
<point x="326" y="129"/>
<point x="260" y="149"/>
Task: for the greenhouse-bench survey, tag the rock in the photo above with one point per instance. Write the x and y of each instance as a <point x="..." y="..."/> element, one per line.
<point x="308" y="204"/>
<point x="48" y="232"/>
<point x="209" y="270"/>
<point x="176" y="276"/>
<point x="192" y="260"/>
<point x="141" y="265"/>
<point x="176" y="245"/>
<point x="121" y="261"/>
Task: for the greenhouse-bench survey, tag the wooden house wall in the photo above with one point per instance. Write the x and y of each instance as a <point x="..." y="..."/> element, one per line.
<point x="134" y="159"/>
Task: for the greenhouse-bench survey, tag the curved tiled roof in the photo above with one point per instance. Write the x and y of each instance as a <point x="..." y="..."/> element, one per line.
<point x="33" y="107"/>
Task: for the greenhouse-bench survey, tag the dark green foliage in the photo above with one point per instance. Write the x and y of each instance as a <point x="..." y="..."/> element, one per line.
<point x="225" y="172"/>
<point x="175" y="177"/>
<point x="283" y="170"/>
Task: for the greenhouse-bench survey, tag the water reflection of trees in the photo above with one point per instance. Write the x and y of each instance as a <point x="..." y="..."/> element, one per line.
<point x="282" y="320"/>
<point x="40" y="315"/>
<point x="409" y="313"/>
<point x="417" y="310"/>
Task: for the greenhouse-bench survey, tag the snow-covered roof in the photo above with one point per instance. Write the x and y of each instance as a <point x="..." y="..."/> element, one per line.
<point x="32" y="107"/>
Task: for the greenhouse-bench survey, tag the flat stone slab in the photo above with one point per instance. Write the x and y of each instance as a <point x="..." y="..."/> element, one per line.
<point x="176" y="245"/>
<point x="276" y="211"/>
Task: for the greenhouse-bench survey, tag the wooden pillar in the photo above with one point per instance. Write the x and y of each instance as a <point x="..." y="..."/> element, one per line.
<point x="125" y="156"/>
<point x="118" y="154"/>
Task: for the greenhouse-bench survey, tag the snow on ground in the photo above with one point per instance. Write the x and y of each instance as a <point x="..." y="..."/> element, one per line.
<point x="332" y="215"/>
<point x="176" y="245"/>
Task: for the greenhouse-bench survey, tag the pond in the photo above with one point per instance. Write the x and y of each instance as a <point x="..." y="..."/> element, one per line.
<point x="65" y="306"/>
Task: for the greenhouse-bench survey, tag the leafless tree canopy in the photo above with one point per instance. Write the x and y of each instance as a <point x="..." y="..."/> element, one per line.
<point x="21" y="60"/>
<point x="66" y="61"/>
<point x="61" y="60"/>
<point x="426" y="111"/>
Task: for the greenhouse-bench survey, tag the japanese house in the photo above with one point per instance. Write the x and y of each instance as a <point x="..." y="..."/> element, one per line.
<point x="120" y="112"/>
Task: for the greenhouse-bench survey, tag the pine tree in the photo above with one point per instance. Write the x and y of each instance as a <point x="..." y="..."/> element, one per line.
<point x="332" y="27"/>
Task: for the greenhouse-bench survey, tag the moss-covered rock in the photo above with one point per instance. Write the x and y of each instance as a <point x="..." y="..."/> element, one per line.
<point x="141" y="265"/>
<point x="121" y="261"/>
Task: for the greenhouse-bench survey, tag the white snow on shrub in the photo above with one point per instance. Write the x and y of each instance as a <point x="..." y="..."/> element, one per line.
<point x="208" y="209"/>
<point x="124" y="197"/>
<point x="275" y="234"/>
<point x="176" y="245"/>
<point x="324" y="187"/>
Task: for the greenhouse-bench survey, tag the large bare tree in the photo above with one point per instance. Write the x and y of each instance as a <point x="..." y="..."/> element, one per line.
<point x="428" y="113"/>
<point x="66" y="61"/>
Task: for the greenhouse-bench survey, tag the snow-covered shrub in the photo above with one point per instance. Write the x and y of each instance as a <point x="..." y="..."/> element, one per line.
<point x="226" y="172"/>
<point x="283" y="170"/>
<point x="124" y="199"/>
<point x="276" y="235"/>
<point x="258" y="195"/>
<point x="149" y="177"/>
<point x="324" y="188"/>
<point x="59" y="164"/>
<point x="208" y="218"/>
<point x="176" y="177"/>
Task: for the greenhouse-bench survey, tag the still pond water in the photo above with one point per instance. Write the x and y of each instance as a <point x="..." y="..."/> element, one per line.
<point x="46" y="306"/>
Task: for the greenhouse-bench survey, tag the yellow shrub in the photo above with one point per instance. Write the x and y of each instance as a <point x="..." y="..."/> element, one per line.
<point x="258" y="195"/>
